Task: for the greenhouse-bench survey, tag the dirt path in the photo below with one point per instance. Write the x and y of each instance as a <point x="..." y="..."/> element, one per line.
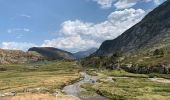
<point x="161" y="80"/>
<point x="75" y="88"/>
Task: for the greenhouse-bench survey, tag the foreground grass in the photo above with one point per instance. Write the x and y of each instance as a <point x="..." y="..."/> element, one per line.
<point x="29" y="96"/>
<point x="52" y="76"/>
<point x="130" y="89"/>
<point x="128" y="86"/>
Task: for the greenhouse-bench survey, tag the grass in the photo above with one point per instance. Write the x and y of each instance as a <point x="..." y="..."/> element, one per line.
<point x="89" y="89"/>
<point x="53" y="76"/>
<point x="122" y="73"/>
<point x="147" y="60"/>
<point x="131" y="89"/>
<point x="39" y="97"/>
<point x="129" y="86"/>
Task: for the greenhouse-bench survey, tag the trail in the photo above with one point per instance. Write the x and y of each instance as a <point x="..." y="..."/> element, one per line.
<point x="75" y="88"/>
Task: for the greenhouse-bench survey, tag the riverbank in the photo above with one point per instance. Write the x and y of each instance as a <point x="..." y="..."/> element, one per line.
<point x="76" y="89"/>
<point x="118" y="85"/>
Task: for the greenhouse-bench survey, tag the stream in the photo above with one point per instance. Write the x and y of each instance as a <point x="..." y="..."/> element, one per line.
<point x="75" y="89"/>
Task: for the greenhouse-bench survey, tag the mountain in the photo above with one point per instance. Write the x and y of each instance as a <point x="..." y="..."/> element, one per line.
<point x="83" y="54"/>
<point x="53" y="53"/>
<point x="150" y="33"/>
<point x="18" y="56"/>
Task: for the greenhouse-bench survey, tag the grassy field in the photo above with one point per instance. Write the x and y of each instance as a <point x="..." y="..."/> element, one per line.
<point x="122" y="73"/>
<point x="127" y="86"/>
<point x="51" y="76"/>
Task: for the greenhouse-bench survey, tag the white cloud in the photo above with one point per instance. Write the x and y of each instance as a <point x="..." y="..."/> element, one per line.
<point x="79" y="35"/>
<point x="25" y="15"/>
<point x="18" y="30"/>
<point x="123" y="4"/>
<point x="17" y="45"/>
<point x="105" y="3"/>
<point x="158" y="2"/>
<point x="70" y="43"/>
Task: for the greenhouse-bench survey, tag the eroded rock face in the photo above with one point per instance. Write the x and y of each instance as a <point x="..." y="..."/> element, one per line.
<point x="162" y="69"/>
<point x="152" y="32"/>
<point x="17" y="56"/>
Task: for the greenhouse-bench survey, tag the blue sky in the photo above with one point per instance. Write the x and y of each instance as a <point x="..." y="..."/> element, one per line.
<point x="71" y="25"/>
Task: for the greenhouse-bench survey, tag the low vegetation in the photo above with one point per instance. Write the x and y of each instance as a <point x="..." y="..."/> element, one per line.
<point x="51" y="76"/>
<point x="127" y="86"/>
<point x="153" y="61"/>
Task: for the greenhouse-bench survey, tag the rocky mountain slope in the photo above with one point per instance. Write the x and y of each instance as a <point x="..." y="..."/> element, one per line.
<point x="53" y="53"/>
<point x="83" y="54"/>
<point x="18" y="56"/>
<point x="151" y="33"/>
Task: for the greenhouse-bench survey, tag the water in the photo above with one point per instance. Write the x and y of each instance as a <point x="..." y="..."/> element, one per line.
<point x="75" y="89"/>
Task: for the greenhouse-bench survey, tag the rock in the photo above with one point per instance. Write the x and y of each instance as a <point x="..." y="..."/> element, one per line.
<point x="162" y="69"/>
<point x="2" y="95"/>
<point x="8" y="94"/>
<point x="37" y="90"/>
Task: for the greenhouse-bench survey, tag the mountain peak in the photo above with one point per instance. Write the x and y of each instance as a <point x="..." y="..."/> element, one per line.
<point x="152" y="31"/>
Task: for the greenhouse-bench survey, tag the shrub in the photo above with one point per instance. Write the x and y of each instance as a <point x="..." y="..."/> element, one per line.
<point x="158" y="52"/>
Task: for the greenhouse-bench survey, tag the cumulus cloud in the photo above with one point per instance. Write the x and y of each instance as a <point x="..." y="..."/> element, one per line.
<point x="79" y="35"/>
<point x="17" y="45"/>
<point x="70" y="43"/>
<point x="105" y="3"/>
<point x="123" y="4"/>
<point x="157" y="2"/>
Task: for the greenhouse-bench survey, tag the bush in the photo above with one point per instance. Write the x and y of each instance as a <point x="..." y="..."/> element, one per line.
<point x="3" y="69"/>
<point x="158" y="52"/>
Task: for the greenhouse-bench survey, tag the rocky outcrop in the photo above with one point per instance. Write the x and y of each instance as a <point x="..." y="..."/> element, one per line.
<point x="162" y="69"/>
<point x="18" y="56"/>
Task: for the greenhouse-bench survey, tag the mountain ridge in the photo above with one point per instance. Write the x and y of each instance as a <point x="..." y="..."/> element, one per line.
<point x="152" y="31"/>
<point x="52" y="53"/>
<point x="83" y="54"/>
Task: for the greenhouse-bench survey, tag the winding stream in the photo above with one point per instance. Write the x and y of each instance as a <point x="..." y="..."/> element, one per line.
<point x="75" y="88"/>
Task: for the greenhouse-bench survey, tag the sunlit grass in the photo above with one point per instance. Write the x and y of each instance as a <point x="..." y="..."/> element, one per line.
<point x="54" y="75"/>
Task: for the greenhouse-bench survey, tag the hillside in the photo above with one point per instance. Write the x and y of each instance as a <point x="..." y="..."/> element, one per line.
<point x="151" y="33"/>
<point x="53" y="53"/>
<point x="17" y="56"/>
<point x="83" y="54"/>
